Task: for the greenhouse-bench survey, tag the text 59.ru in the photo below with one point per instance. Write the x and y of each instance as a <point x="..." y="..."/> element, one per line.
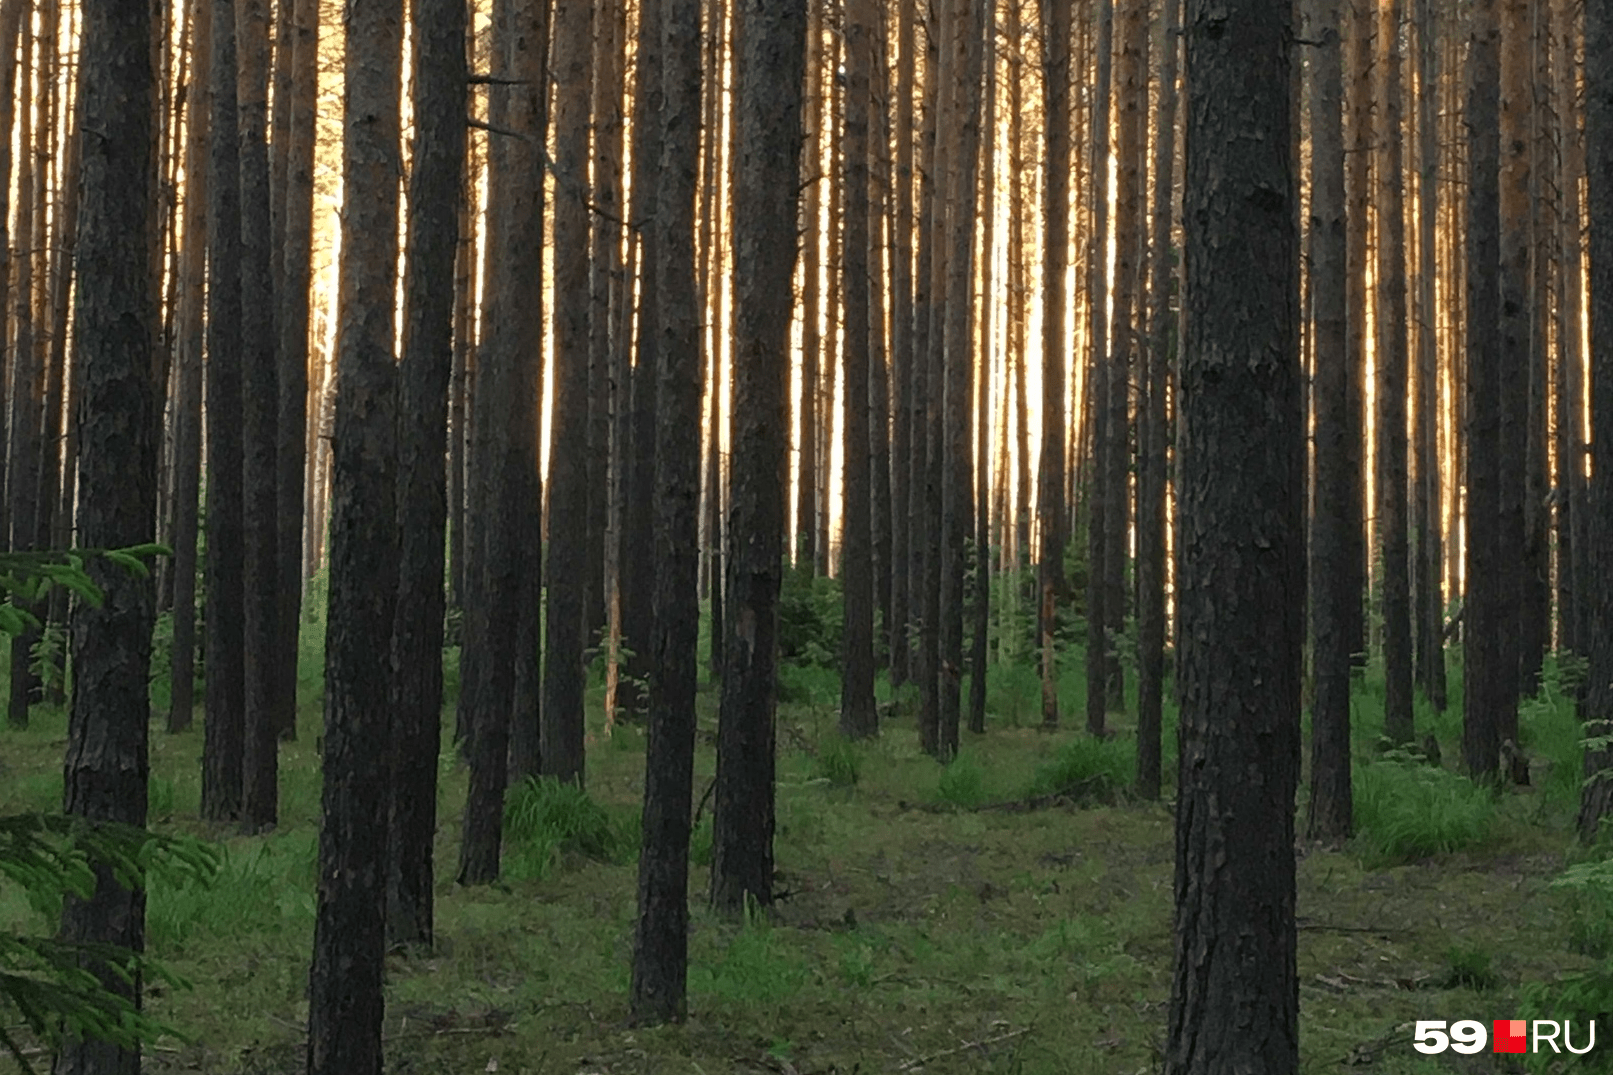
<point x="1511" y="1036"/>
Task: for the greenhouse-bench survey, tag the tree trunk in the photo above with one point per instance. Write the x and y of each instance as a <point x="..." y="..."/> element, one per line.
<point x="1331" y="587"/>
<point x="436" y="180"/>
<point x="806" y="482"/>
<point x="561" y="743"/>
<point x="1489" y="679"/>
<point x="293" y="282"/>
<point x="188" y="398"/>
<point x="260" y="395"/>
<point x="1358" y="158"/>
<point x="857" y="717"/>
<point x="1055" y="18"/>
<point x="1154" y="441"/>
<point x="1235" y="992"/>
<point x="27" y="382"/>
<point x="225" y="600"/>
<point x="660" y="942"/>
<point x="1569" y="424"/>
<point x="346" y="1003"/>
<point x="1428" y="619"/>
<point x="604" y="267"/>
<point x="507" y="396"/>
<point x="120" y="415"/>
<point x="768" y="86"/>
<point x="1596" y="706"/>
<point x="903" y="356"/>
<point x="1392" y="386"/>
<point x="984" y="443"/>
<point x="1100" y="391"/>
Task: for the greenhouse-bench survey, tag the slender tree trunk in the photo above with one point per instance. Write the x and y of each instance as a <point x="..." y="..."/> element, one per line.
<point x="436" y="181"/>
<point x="293" y="282"/>
<point x="346" y="1003"/>
<point x="660" y="942"/>
<point x="879" y="372"/>
<point x="1568" y="426"/>
<point x="1151" y="486"/>
<point x="1596" y="707"/>
<point x="1429" y="613"/>
<point x="569" y="575"/>
<point x="27" y="387"/>
<point x="984" y="485"/>
<point x="637" y="572"/>
<point x="903" y="355"/>
<point x="1392" y="386"/>
<point x="507" y="398"/>
<point x="806" y="489"/>
<point x="120" y="413"/>
<point x="1055" y="18"/>
<point x="1101" y="390"/>
<point x="1358" y="31"/>
<point x="768" y="88"/>
<point x="225" y="601"/>
<point x="260" y="413"/>
<point x="1332" y="594"/>
<point x="604" y="257"/>
<point x="857" y="716"/>
<point x="188" y="398"/>
<point x="924" y="524"/>
<point x="1489" y="679"/>
<point x="1235" y="991"/>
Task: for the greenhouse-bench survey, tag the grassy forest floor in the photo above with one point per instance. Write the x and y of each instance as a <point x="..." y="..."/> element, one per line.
<point x="924" y="922"/>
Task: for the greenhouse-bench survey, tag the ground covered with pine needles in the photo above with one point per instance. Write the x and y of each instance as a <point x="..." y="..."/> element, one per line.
<point x="1008" y="913"/>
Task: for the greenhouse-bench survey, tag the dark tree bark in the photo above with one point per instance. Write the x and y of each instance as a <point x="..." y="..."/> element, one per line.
<point x="1331" y="587"/>
<point x="561" y="739"/>
<point x="957" y="491"/>
<point x="806" y="553"/>
<point x="1100" y="389"/>
<point x="188" y="396"/>
<point x="636" y="556"/>
<point x="879" y="372"/>
<point x="435" y="185"/>
<point x="1489" y="680"/>
<point x="1152" y="479"/>
<point x="1358" y="158"/>
<point x="660" y="942"/>
<point x="1235" y="990"/>
<point x="857" y="716"/>
<point x="1569" y="426"/>
<point x="928" y="389"/>
<point x="768" y="81"/>
<point x="225" y="602"/>
<point x="292" y="283"/>
<point x="1596" y="706"/>
<point x="346" y="1003"/>
<point x="1056" y="23"/>
<point x="260" y="396"/>
<point x="604" y="269"/>
<point x="902" y="352"/>
<point x="980" y="611"/>
<point x="119" y="414"/>
<point x="10" y="20"/>
<point x="1428" y="613"/>
<point x="1392" y="386"/>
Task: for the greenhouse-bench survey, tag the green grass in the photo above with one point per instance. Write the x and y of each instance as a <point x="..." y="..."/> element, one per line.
<point x="913" y="922"/>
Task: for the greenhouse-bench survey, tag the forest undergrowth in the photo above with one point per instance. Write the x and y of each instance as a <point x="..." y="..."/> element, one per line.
<point x="1010" y="912"/>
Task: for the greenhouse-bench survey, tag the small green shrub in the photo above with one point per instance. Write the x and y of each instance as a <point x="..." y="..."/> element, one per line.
<point x="1589" y="888"/>
<point x="1405" y="809"/>
<point x="1088" y="768"/>
<point x="810" y="618"/>
<point x="962" y="783"/>
<point x="839" y="761"/>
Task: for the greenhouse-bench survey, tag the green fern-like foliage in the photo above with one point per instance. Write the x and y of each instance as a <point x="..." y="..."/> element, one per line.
<point x="52" y="983"/>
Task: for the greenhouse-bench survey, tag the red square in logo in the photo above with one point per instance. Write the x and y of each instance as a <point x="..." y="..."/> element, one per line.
<point x="1511" y="1036"/>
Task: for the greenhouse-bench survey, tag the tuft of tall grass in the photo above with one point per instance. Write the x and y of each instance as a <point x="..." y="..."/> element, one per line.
<point x="265" y="887"/>
<point x="1088" y="768"/>
<point x="839" y="761"/>
<point x="1406" y="810"/>
<point x="544" y="818"/>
